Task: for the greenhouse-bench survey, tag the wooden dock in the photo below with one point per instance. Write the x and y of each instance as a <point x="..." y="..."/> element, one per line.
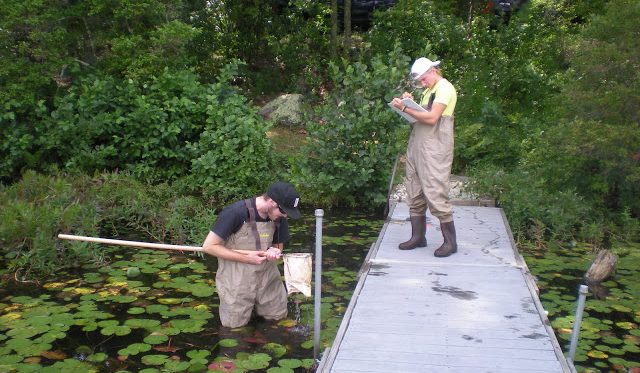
<point x="475" y="311"/>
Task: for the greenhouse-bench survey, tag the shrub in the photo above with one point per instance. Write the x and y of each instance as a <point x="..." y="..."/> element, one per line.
<point x="233" y="156"/>
<point x="353" y="136"/>
<point x="160" y="213"/>
<point x="34" y="211"/>
<point x="39" y="207"/>
<point x="106" y="124"/>
<point x="534" y="211"/>
<point x="17" y="135"/>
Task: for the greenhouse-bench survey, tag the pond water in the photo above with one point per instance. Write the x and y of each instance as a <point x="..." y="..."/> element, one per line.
<point x="609" y="337"/>
<point x="152" y="310"/>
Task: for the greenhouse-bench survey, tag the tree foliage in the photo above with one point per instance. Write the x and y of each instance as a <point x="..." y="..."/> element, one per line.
<point x="283" y="43"/>
<point x="594" y="144"/>
<point x="153" y="88"/>
<point x="48" y="44"/>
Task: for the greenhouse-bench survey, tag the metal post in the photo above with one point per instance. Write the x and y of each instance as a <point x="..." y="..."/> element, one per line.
<point x="578" y="320"/>
<point x="317" y="287"/>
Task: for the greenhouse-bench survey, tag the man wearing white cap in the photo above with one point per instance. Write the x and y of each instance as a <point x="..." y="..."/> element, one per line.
<point x="251" y="280"/>
<point x="429" y="156"/>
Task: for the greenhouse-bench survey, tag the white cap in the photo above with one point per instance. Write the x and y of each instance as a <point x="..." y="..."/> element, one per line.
<point x="421" y="66"/>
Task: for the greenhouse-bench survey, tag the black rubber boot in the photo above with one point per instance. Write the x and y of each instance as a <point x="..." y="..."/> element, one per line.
<point x="418" y="229"/>
<point x="449" y="246"/>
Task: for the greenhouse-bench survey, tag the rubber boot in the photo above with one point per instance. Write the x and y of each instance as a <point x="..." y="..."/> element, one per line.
<point x="418" y="229"/>
<point x="449" y="246"/>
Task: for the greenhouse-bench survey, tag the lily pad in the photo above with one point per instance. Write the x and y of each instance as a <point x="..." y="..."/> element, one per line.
<point x="223" y="366"/>
<point x="198" y="354"/>
<point x="277" y="349"/>
<point x="156" y="308"/>
<point x="597" y="354"/>
<point x="308" y="363"/>
<point x="10" y="359"/>
<point x="133" y="272"/>
<point x="148" y="324"/>
<point x="627" y="325"/>
<point x="201" y="290"/>
<point x="290" y="363"/>
<point x="136" y="310"/>
<point x="123" y="298"/>
<point x="134" y="349"/>
<point x="307" y="344"/>
<point x="280" y="370"/>
<point x="111" y="327"/>
<point x="156" y="338"/>
<point x="154" y="359"/>
<point x="254" y="361"/>
<point x="188" y="326"/>
<point x="97" y="357"/>
<point x="177" y="366"/>
<point x="228" y="342"/>
<point x="169" y="301"/>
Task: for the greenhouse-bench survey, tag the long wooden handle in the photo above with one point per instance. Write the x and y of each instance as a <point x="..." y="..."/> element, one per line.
<point x="149" y="245"/>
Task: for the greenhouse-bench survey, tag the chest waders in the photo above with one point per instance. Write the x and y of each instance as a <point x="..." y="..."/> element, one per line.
<point x="242" y="286"/>
<point x="429" y="160"/>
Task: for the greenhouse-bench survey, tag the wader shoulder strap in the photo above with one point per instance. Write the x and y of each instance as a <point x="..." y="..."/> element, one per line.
<point x="252" y="223"/>
<point x="430" y="103"/>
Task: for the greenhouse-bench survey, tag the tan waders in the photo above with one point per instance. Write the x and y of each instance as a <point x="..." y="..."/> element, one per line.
<point x="242" y="286"/>
<point x="429" y="160"/>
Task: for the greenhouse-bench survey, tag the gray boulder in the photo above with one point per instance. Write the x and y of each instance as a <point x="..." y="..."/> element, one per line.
<point x="284" y="110"/>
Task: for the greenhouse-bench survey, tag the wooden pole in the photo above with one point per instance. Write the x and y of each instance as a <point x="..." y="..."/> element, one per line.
<point x="149" y="245"/>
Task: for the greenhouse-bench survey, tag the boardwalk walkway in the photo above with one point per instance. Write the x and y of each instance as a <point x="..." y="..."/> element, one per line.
<point x="476" y="311"/>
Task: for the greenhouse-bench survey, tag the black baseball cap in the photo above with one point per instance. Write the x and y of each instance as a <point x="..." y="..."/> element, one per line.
<point x="286" y="197"/>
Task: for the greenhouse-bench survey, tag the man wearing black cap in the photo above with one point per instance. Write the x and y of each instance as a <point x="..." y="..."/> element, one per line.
<point x="257" y="226"/>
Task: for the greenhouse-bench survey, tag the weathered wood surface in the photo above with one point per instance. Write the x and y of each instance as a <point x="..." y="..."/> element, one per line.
<point x="476" y="311"/>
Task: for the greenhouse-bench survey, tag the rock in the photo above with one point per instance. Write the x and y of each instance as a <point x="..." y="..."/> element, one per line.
<point x="284" y="110"/>
<point x="457" y="193"/>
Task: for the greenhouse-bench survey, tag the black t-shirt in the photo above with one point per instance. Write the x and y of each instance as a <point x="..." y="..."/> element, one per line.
<point x="232" y="218"/>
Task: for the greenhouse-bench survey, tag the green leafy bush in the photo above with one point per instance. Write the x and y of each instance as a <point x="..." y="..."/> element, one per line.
<point x="353" y="137"/>
<point x="284" y="43"/>
<point x="106" y="124"/>
<point x="16" y="140"/>
<point x="233" y="156"/>
<point x="506" y="76"/>
<point x="170" y="128"/>
<point x="140" y="56"/>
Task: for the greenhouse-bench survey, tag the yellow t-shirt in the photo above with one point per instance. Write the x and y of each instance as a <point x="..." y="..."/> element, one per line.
<point x="445" y="94"/>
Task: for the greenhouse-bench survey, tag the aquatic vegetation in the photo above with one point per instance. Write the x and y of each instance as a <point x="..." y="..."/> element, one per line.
<point x="151" y="311"/>
<point x="609" y="331"/>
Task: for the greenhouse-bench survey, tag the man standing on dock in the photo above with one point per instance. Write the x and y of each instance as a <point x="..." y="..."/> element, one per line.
<point x="430" y="156"/>
<point x="258" y="227"/>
